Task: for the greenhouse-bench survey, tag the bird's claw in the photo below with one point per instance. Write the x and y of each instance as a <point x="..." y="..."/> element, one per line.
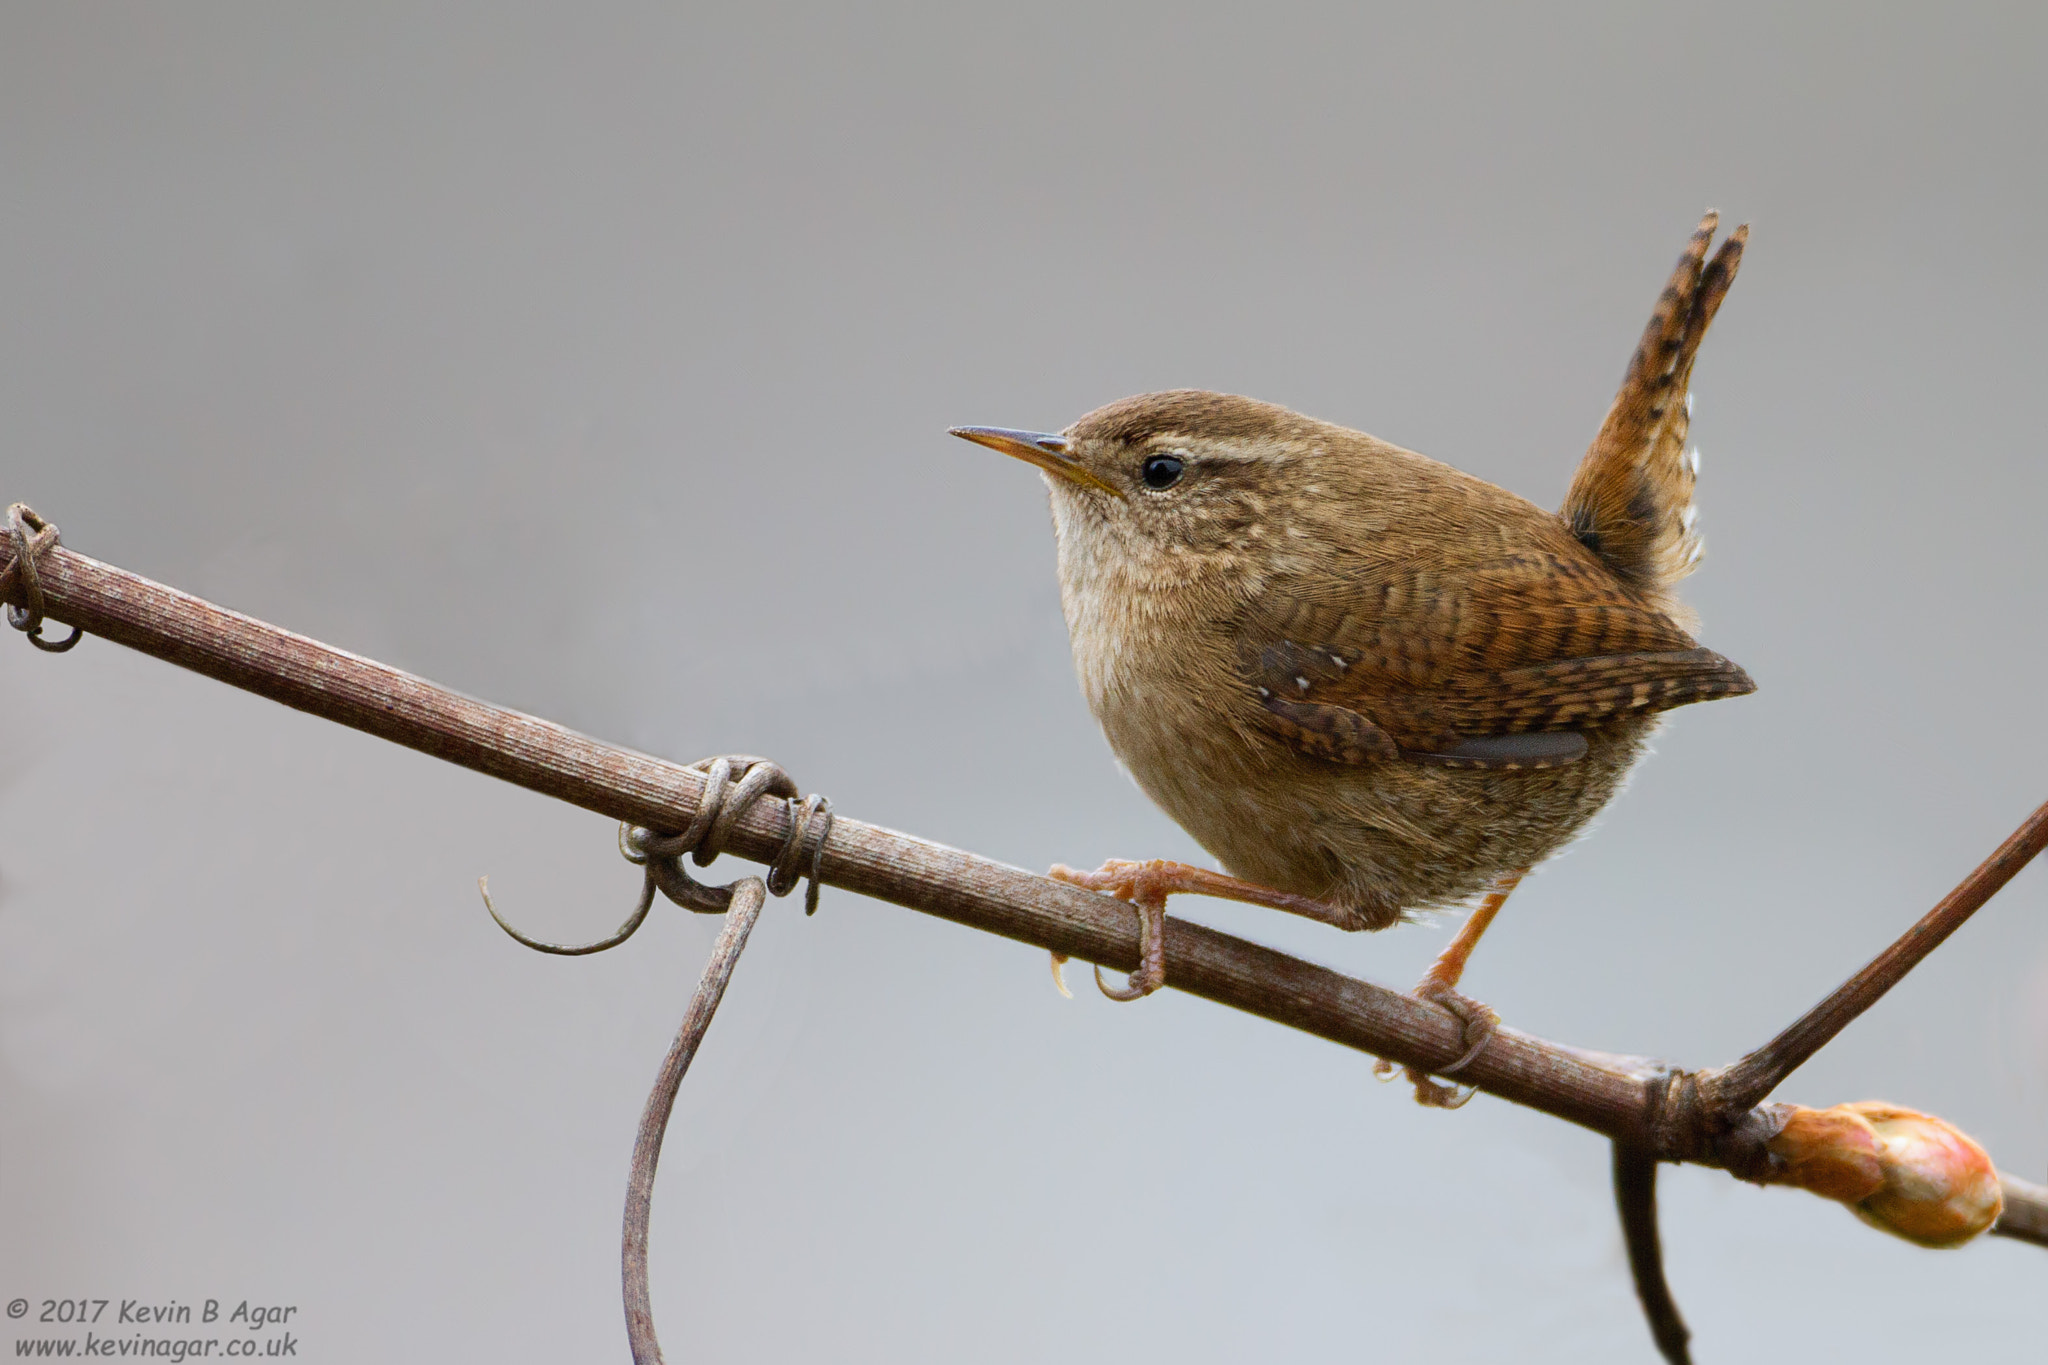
<point x="1481" y="1022"/>
<point x="1137" y="985"/>
<point x="1139" y="885"/>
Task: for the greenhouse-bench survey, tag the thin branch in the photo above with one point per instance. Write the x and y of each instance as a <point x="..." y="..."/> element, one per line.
<point x="747" y="899"/>
<point x="1635" y="1196"/>
<point x="1755" y="1076"/>
<point x="1623" y="1098"/>
<point x="2026" y="1211"/>
<point x="1602" y="1093"/>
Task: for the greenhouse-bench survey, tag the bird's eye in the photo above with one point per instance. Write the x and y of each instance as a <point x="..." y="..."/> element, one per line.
<point x="1161" y="471"/>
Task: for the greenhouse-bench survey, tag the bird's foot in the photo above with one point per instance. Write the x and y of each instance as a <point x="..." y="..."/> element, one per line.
<point x="1481" y="1022"/>
<point x="1145" y="885"/>
<point x="1439" y="986"/>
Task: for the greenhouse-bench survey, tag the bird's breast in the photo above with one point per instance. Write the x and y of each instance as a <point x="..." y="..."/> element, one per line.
<point x="1160" y="676"/>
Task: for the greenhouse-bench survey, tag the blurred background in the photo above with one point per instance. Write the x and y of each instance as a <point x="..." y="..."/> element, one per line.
<point x="597" y="360"/>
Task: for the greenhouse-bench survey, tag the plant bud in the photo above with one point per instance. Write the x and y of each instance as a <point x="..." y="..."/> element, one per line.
<point x="1940" y="1188"/>
<point x="1908" y="1173"/>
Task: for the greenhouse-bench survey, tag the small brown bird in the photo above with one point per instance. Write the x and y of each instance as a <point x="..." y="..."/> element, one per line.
<point x="1371" y="684"/>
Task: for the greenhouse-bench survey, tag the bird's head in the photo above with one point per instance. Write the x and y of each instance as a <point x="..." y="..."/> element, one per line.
<point x="1175" y="483"/>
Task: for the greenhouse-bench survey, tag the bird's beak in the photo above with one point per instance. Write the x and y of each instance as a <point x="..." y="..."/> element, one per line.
<point x="1054" y="454"/>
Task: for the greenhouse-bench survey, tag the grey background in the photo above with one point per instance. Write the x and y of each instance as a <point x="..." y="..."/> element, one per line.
<point x="469" y="338"/>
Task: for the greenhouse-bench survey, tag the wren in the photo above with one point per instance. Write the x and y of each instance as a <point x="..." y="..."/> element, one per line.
<point x="1368" y="683"/>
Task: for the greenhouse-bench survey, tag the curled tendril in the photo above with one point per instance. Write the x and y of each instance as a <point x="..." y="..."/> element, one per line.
<point x="624" y="931"/>
<point x="660" y="855"/>
<point x="33" y="537"/>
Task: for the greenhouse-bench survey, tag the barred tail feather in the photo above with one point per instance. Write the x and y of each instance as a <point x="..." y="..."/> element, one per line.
<point x="1631" y="500"/>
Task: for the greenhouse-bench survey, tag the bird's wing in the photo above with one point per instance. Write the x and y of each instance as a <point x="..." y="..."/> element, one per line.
<point x="1495" y="665"/>
<point x="1631" y="500"/>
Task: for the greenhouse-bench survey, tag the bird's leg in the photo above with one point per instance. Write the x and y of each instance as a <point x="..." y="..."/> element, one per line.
<point x="1439" y="985"/>
<point x="1441" y="980"/>
<point x="1146" y="885"/>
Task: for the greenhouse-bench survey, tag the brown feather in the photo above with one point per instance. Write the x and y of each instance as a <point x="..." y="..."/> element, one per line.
<point x="1630" y="501"/>
<point x="1531" y="643"/>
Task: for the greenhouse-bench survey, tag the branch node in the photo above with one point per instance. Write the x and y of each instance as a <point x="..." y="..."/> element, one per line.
<point x="1677" y="1118"/>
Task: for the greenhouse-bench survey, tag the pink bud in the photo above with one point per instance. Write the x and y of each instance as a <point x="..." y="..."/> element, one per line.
<point x="1940" y="1188"/>
<point x="1897" y="1169"/>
